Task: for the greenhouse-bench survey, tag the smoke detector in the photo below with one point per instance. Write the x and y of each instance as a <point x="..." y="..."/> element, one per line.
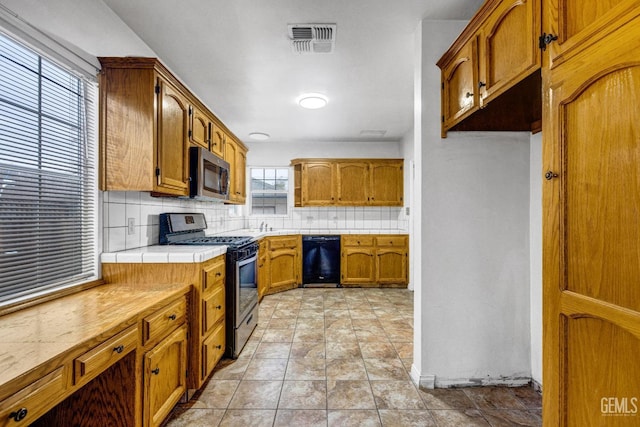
<point x="312" y="38"/>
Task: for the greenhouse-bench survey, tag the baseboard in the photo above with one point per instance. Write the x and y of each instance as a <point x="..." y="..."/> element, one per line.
<point x="430" y="381"/>
<point x="422" y="381"/>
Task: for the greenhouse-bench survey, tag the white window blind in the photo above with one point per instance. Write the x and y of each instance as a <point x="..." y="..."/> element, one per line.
<point x="48" y="217"/>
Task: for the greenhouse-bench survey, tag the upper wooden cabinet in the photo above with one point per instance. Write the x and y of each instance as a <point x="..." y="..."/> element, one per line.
<point x="199" y="127"/>
<point x="235" y="153"/>
<point x="508" y="50"/>
<point x="148" y="121"/>
<point x="348" y="182"/>
<point x="459" y="82"/>
<point x="491" y="74"/>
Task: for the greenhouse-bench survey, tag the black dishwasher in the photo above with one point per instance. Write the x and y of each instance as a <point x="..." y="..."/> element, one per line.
<point x="321" y="260"/>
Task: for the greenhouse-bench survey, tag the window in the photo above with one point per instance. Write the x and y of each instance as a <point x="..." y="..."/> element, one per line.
<point x="48" y="181"/>
<point x="269" y="191"/>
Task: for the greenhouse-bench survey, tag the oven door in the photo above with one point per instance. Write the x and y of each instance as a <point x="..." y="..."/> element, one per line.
<point x="246" y="288"/>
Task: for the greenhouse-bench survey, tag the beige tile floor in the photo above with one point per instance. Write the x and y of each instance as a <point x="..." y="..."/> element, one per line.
<point x="341" y="357"/>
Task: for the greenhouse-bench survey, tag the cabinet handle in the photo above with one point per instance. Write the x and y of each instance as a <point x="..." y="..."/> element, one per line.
<point x="18" y="415"/>
<point x="119" y="349"/>
<point x="172" y="317"/>
<point x="219" y="307"/>
<point x="469" y="95"/>
<point x="218" y="274"/>
<point x="481" y="85"/>
<point x="156" y="371"/>
<point x="219" y="346"/>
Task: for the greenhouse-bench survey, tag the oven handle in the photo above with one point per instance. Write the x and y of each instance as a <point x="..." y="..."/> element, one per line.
<point x="249" y="260"/>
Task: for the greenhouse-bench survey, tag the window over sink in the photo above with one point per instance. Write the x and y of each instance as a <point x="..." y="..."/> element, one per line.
<point x="269" y="189"/>
<point x="48" y="183"/>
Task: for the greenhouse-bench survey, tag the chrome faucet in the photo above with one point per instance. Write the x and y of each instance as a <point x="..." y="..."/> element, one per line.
<point x="262" y="225"/>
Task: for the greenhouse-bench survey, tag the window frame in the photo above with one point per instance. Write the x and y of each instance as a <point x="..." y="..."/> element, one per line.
<point x="288" y="192"/>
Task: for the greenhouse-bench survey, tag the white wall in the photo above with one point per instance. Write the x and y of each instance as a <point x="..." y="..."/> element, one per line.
<point x="473" y="304"/>
<point x="281" y="153"/>
<point x="535" y="241"/>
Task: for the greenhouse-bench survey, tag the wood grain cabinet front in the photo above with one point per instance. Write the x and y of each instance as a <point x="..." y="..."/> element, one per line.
<point x="96" y="360"/>
<point x="348" y="182"/>
<point x="199" y="127"/>
<point x="213" y="349"/>
<point x="374" y="260"/>
<point x="165" y="369"/>
<point x="213" y="309"/>
<point x="164" y="320"/>
<point x="26" y="405"/>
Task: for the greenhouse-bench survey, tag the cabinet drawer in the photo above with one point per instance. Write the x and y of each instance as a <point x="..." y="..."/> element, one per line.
<point x="288" y="242"/>
<point x="357" y="240"/>
<point x="395" y="241"/>
<point x="213" y="309"/>
<point x="212" y="350"/>
<point x="106" y="354"/>
<point x="213" y="275"/>
<point x="164" y="320"/>
<point x="25" y="406"/>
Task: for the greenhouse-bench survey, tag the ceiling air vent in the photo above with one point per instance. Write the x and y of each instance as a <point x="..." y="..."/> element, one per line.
<point x="312" y="38"/>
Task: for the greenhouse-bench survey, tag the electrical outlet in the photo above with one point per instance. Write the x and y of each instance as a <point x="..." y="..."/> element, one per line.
<point x="131" y="226"/>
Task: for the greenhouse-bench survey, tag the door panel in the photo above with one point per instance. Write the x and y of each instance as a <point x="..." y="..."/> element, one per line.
<point x="317" y="184"/>
<point x="460" y="97"/>
<point x="352" y="184"/>
<point x="602" y="190"/>
<point x="591" y="245"/>
<point x="172" y="139"/>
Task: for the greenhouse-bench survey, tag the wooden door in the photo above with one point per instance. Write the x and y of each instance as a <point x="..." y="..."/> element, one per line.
<point x="459" y="86"/>
<point x="240" y="173"/>
<point x="508" y="49"/>
<point x="386" y="179"/>
<point x="263" y="268"/>
<point x="283" y="269"/>
<point x="357" y="265"/>
<point x="591" y="257"/>
<point x="391" y="266"/>
<point x="230" y="155"/>
<point x="352" y="183"/>
<point x="217" y="141"/>
<point x="318" y="184"/>
<point x="172" y="167"/>
<point x="198" y="128"/>
<point x="165" y="368"/>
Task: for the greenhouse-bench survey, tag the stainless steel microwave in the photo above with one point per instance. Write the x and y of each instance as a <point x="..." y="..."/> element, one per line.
<point x="208" y="175"/>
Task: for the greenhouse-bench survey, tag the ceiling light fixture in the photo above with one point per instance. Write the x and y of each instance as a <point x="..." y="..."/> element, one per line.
<point x="312" y="101"/>
<point x="259" y="136"/>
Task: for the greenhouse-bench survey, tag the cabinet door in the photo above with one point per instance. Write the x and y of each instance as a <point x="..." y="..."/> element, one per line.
<point x="391" y="266"/>
<point x="198" y="128"/>
<point x="386" y="184"/>
<point x="591" y="238"/>
<point x="173" y="116"/>
<point x="165" y="369"/>
<point x="218" y="138"/>
<point x="318" y="184"/>
<point x="263" y="269"/>
<point x="459" y="86"/>
<point x="352" y="183"/>
<point x="508" y="49"/>
<point x="213" y="348"/>
<point x="357" y="265"/>
<point x="283" y="269"/>
<point x="577" y="23"/>
<point x="240" y="176"/>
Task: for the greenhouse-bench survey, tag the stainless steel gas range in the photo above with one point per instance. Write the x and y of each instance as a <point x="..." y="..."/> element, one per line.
<point x="241" y="287"/>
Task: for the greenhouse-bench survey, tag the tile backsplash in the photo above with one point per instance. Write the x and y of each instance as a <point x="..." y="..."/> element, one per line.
<point x="119" y="207"/>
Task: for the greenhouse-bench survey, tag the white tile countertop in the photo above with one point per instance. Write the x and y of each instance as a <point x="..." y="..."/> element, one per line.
<point x="195" y="254"/>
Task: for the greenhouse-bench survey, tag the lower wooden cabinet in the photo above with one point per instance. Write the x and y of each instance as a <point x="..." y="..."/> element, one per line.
<point x="374" y="260"/>
<point x="164" y="376"/>
<point x="212" y="349"/>
<point x="279" y="264"/>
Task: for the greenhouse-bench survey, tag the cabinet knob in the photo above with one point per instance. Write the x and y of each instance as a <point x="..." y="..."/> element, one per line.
<point x="218" y="274"/>
<point x="550" y="175"/>
<point x="18" y="415"/>
<point x="155" y="371"/>
<point x="172" y="317"/>
<point x="219" y="307"/>
<point x="469" y="95"/>
<point x="481" y="85"/>
<point x="119" y="349"/>
<point x="218" y="346"/>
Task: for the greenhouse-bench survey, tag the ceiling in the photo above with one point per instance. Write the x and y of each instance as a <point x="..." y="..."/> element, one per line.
<point x="237" y="57"/>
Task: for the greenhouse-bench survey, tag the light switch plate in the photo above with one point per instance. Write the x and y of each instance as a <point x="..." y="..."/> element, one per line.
<point x="131" y="226"/>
